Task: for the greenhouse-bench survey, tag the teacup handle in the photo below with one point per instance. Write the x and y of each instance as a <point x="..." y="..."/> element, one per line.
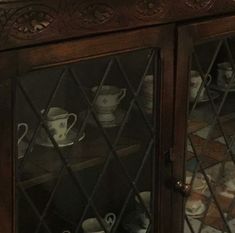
<point x="26" y="128"/>
<point x="73" y="123"/>
<point x="121" y="95"/>
<point x="110" y="219"/>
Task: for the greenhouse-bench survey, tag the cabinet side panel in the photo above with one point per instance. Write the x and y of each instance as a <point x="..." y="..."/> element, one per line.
<point x="6" y="163"/>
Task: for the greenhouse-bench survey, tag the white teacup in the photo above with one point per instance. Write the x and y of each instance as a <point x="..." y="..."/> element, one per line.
<point x="195" y="206"/>
<point x="107" y="101"/>
<point x="57" y="122"/>
<point x="224" y="74"/>
<point x="92" y="225"/>
<point x="24" y="128"/>
<point x="195" y="84"/>
<point x="199" y="184"/>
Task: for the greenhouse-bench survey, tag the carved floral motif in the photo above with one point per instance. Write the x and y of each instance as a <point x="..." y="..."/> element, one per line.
<point x="149" y="8"/>
<point x="200" y="4"/>
<point x="33" y="22"/>
<point x="94" y="14"/>
<point x="29" y="21"/>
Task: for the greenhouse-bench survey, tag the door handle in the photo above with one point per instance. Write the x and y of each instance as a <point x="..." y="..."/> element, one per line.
<point x="183" y="188"/>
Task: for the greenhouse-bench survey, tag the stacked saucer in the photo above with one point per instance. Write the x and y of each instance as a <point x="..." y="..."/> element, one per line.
<point x="195" y="208"/>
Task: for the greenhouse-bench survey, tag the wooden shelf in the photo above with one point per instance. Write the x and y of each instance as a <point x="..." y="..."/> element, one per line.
<point x="44" y="164"/>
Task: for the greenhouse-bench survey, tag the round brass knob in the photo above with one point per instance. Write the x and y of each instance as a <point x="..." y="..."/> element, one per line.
<point x="184" y="189"/>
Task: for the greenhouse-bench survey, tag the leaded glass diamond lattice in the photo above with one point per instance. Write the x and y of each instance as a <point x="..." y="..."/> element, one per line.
<point x="86" y="145"/>
<point x="210" y="161"/>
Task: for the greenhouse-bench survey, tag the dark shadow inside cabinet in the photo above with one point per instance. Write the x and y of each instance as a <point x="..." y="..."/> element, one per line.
<point x="86" y="145"/>
<point x="210" y="160"/>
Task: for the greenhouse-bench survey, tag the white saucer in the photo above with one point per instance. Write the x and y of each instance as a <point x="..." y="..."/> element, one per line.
<point x="198" y="213"/>
<point x="226" y="193"/>
<point x="67" y="142"/>
<point x="205" y="98"/>
<point x="119" y="116"/>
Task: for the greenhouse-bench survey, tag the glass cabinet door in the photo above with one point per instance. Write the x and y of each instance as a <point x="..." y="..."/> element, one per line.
<point x="210" y="145"/>
<point x="87" y="145"/>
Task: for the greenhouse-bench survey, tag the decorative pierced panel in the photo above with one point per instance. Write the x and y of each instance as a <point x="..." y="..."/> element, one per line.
<point x="86" y="145"/>
<point x="210" y="161"/>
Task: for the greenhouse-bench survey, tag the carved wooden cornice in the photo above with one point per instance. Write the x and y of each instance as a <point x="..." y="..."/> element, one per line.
<point x="36" y="21"/>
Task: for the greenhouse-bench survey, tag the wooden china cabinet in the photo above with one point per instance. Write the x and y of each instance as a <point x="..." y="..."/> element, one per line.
<point x="117" y="116"/>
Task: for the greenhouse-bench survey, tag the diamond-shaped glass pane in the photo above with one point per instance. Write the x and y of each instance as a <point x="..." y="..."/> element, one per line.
<point x="210" y="161"/>
<point x="86" y="145"/>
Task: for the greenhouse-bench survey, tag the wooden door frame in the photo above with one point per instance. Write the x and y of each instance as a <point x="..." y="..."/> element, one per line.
<point x="188" y="36"/>
<point x="52" y="55"/>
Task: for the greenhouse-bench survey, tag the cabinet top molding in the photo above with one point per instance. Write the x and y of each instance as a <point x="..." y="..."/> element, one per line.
<point x="28" y="22"/>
